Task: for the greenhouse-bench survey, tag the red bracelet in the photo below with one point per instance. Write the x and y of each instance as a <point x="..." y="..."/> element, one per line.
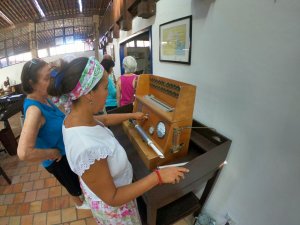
<point x="158" y="176"/>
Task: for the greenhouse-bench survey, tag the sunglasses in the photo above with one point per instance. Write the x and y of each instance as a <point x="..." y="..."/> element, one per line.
<point x="57" y="76"/>
<point x="53" y="73"/>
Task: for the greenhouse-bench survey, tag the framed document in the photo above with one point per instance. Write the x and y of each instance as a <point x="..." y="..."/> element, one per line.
<point x="175" y="41"/>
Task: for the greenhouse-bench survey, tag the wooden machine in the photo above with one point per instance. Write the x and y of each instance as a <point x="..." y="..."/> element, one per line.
<point x="169" y="105"/>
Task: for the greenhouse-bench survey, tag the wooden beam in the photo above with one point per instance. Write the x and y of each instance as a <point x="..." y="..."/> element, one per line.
<point x="126" y="17"/>
<point x="17" y="13"/>
<point x="146" y="9"/>
<point x="116" y="31"/>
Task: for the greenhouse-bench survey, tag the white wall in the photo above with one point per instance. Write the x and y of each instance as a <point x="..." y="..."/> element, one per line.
<point x="14" y="72"/>
<point x="245" y="63"/>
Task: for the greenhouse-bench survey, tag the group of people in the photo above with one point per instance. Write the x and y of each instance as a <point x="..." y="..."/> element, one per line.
<point x="77" y="147"/>
<point x="121" y="91"/>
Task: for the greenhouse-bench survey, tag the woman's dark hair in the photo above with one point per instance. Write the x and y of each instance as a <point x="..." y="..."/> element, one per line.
<point x="30" y="74"/>
<point x="68" y="76"/>
<point x="107" y="64"/>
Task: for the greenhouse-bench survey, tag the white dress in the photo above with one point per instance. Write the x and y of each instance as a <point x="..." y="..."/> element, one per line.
<point x="84" y="145"/>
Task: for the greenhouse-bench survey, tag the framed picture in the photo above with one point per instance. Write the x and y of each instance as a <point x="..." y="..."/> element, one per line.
<point x="175" y="40"/>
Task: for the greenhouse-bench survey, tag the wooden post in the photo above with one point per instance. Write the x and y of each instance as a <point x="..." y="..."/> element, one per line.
<point x="96" y="36"/>
<point x="32" y="40"/>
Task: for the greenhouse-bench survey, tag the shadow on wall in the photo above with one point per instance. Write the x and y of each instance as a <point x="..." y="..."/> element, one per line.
<point x="200" y="8"/>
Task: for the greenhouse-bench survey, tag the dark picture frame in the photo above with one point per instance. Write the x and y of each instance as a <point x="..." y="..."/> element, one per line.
<point x="175" y="41"/>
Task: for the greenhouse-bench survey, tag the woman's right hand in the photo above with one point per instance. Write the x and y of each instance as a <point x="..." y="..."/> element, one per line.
<point x="172" y="175"/>
<point x="54" y="154"/>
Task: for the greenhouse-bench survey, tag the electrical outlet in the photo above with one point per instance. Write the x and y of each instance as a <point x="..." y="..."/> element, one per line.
<point x="229" y="220"/>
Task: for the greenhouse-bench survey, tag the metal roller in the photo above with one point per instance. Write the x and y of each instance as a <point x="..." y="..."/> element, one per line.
<point x="146" y="138"/>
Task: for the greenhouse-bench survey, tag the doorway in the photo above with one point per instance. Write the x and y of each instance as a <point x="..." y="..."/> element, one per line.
<point x="138" y="46"/>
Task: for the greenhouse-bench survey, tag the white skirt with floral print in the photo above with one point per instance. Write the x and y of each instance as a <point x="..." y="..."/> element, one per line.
<point x="104" y="214"/>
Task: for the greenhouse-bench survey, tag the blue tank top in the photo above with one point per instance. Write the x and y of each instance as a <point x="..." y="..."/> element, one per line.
<point x="50" y="134"/>
<point x="111" y="99"/>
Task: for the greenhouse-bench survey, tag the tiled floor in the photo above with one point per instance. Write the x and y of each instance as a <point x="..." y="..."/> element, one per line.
<point x="35" y="197"/>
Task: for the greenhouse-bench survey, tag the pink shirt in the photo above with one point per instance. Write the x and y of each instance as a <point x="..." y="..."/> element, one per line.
<point x="127" y="89"/>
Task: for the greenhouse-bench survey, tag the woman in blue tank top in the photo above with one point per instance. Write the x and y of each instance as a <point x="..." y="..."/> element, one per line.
<point x="111" y="99"/>
<point x="41" y="137"/>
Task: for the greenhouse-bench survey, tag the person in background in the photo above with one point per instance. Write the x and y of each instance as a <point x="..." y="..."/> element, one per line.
<point x="127" y="82"/>
<point x="101" y="162"/>
<point x="6" y="86"/>
<point x="112" y="75"/>
<point x="111" y="100"/>
<point x="41" y="137"/>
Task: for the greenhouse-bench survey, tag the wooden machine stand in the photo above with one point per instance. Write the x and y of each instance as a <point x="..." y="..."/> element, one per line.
<point x="170" y="126"/>
<point x="169" y="105"/>
<point x="166" y="204"/>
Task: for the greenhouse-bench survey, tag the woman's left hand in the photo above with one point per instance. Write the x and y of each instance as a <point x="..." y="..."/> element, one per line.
<point x="139" y="116"/>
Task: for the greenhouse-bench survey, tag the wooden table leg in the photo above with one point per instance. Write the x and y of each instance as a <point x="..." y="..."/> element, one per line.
<point x="207" y="190"/>
<point x="8" y="139"/>
<point x="2" y="172"/>
<point x="151" y="215"/>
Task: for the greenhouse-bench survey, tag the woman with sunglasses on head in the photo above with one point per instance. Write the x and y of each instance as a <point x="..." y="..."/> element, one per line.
<point x="101" y="162"/>
<point x="41" y="137"/>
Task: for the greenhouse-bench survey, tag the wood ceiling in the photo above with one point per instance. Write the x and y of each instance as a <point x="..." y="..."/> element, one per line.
<point x="20" y="11"/>
<point x="63" y="23"/>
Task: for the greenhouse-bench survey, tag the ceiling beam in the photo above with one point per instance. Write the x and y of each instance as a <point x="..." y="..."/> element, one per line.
<point x="19" y="11"/>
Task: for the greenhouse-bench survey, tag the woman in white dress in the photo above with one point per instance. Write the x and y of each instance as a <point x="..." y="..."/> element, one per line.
<point x="93" y="152"/>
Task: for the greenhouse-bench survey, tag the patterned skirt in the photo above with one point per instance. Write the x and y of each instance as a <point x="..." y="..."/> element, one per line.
<point x="104" y="214"/>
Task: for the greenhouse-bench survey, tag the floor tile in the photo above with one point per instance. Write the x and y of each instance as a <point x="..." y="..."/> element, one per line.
<point x="48" y="204"/>
<point x="62" y="202"/>
<point x="9" y="199"/>
<point x="30" y="196"/>
<point x="38" y="184"/>
<point x="54" y="217"/>
<point x="27" y="220"/>
<point x="24" y="177"/>
<point x="27" y="186"/>
<point x="54" y="191"/>
<point x="8" y="189"/>
<point x="79" y="222"/>
<point x="33" y="168"/>
<point x="42" y="194"/>
<point x="81" y="214"/>
<point x="19" y="198"/>
<point x="14" y="220"/>
<point x="68" y="215"/>
<point x="90" y="221"/>
<point x="35" y="207"/>
<point x="50" y="182"/>
<point x="4" y="220"/>
<point x="11" y="210"/>
<point x="23" y="209"/>
<point x="3" y="209"/>
<point x="17" y="187"/>
<point x="39" y="219"/>
<point x="34" y="176"/>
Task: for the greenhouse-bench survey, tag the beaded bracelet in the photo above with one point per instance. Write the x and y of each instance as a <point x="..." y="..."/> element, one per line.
<point x="158" y="176"/>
